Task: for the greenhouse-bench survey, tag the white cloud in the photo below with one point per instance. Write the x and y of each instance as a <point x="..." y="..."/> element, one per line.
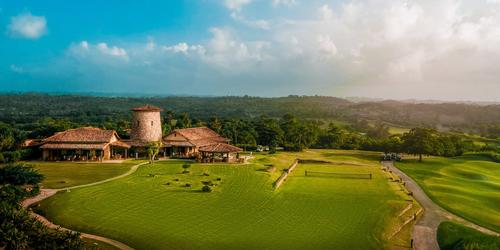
<point x="259" y="24"/>
<point x="326" y="45"/>
<point x="185" y="48"/>
<point x="84" y="44"/>
<point x="325" y="12"/>
<point x="236" y="5"/>
<point x="27" y="26"/>
<point x="100" y="52"/>
<point x="226" y="51"/>
<point x="284" y="2"/>
<point x="113" y="51"/>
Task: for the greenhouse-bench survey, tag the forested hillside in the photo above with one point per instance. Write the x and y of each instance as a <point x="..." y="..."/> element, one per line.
<point x="29" y="108"/>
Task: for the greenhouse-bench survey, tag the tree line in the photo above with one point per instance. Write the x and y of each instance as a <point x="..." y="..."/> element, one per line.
<point x="288" y="132"/>
<point x="22" y="110"/>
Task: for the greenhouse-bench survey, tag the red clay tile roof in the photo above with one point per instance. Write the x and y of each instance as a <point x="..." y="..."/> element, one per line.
<point x="99" y="146"/>
<point x="179" y="144"/>
<point x="120" y="144"/>
<point x="199" y="136"/>
<point x="220" y="148"/>
<point x="147" y="108"/>
<point x="82" y="135"/>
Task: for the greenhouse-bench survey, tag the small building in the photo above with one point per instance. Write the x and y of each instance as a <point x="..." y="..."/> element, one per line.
<point x="87" y="143"/>
<point x="200" y="142"/>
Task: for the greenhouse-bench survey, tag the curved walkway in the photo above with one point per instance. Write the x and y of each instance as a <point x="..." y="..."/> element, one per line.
<point x="425" y="231"/>
<point x="46" y="193"/>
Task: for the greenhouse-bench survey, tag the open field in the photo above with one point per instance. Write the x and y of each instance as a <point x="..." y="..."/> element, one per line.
<point x="67" y="174"/>
<point x="243" y="211"/>
<point x="453" y="236"/>
<point x="393" y="130"/>
<point x="467" y="186"/>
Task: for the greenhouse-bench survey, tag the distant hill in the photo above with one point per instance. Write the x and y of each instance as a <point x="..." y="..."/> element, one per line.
<point x="27" y="108"/>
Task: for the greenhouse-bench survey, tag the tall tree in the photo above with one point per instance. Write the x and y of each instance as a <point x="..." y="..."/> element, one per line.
<point x="153" y="150"/>
<point x="186" y="121"/>
<point x="419" y="141"/>
<point x="215" y="124"/>
<point x="269" y="132"/>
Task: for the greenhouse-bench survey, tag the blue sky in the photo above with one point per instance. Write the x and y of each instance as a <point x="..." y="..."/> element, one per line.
<point x="391" y="49"/>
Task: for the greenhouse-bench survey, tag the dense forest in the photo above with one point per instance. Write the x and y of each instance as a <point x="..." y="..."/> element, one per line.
<point x="22" y="109"/>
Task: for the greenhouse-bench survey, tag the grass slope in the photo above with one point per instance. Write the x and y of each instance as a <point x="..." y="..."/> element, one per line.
<point x="452" y="236"/>
<point x="67" y="174"/>
<point x="467" y="186"/>
<point x="242" y="212"/>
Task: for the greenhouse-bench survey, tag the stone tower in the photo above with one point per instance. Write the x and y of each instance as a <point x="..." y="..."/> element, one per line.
<point x="146" y="124"/>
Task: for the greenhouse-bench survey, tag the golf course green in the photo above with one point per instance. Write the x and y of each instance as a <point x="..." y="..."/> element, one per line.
<point x="159" y="207"/>
<point x="68" y="174"/>
<point x="468" y="186"/>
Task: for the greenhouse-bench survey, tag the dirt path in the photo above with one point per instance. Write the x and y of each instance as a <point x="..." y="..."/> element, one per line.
<point x="425" y="231"/>
<point x="46" y="193"/>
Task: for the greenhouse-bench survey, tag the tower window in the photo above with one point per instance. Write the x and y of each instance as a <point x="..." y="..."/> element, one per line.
<point x="137" y="123"/>
<point x="151" y="123"/>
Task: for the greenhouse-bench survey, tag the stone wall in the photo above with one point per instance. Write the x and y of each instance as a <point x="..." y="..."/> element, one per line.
<point x="285" y="174"/>
<point x="146" y="126"/>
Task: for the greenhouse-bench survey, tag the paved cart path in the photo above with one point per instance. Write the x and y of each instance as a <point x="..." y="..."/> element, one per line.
<point x="425" y="230"/>
<point x="46" y="193"/>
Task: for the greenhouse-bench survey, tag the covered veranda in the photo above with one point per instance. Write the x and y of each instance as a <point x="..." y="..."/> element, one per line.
<point x="220" y="152"/>
<point x="84" y="152"/>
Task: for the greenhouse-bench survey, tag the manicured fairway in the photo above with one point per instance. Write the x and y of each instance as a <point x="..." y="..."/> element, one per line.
<point x="452" y="236"/>
<point x="67" y="174"/>
<point x="467" y="186"/>
<point x="243" y="211"/>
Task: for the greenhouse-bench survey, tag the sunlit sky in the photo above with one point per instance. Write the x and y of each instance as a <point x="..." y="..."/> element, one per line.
<point x="429" y="49"/>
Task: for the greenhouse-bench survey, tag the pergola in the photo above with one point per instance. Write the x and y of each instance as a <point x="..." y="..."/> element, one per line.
<point x="218" y="152"/>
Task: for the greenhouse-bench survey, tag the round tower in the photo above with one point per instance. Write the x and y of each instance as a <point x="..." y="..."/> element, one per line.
<point x="146" y="124"/>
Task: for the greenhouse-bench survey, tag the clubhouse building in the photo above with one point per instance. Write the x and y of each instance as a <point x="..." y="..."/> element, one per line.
<point x="95" y="144"/>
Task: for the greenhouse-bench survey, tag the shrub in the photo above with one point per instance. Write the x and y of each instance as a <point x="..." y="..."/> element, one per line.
<point x="206" y="183"/>
<point x="186" y="166"/>
<point x="206" y="174"/>
<point x="219" y="179"/>
<point x="18" y="174"/>
<point x="185" y="172"/>
<point x="271" y="169"/>
<point x="152" y="175"/>
<point x="176" y="179"/>
<point x="168" y="183"/>
<point x="206" y="189"/>
<point x="188" y="185"/>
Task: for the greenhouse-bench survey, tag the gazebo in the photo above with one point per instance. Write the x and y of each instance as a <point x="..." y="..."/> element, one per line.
<point x="219" y="152"/>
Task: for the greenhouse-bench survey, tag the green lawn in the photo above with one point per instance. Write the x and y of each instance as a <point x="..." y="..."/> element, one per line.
<point x="67" y="174"/>
<point x="452" y="236"/>
<point x="397" y="130"/>
<point x="468" y="186"/>
<point x="243" y="211"/>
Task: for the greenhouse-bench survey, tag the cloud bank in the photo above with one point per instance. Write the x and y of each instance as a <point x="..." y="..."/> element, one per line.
<point x="428" y="49"/>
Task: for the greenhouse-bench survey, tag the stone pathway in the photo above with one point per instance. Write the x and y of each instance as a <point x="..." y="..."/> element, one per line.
<point x="46" y="193"/>
<point x="425" y="231"/>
